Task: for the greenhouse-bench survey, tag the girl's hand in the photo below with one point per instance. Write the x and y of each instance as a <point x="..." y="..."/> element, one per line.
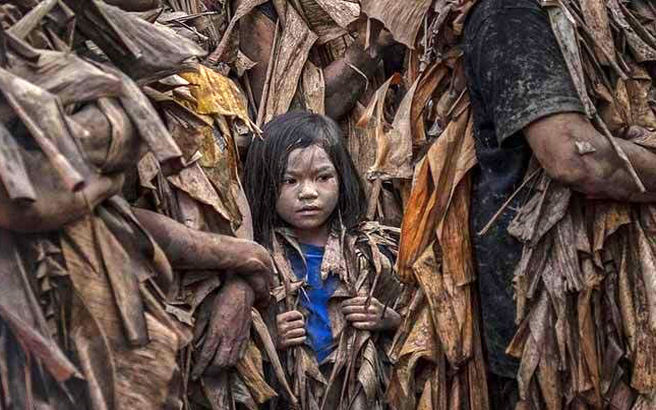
<point x="291" y="329"/>
<point x="371" y="318"/>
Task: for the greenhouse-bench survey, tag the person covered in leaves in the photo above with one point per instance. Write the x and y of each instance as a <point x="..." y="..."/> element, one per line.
<point x="525" y="105"/>
<point x="336" y="290"/>
<point x="85" y="282"/>
<point x="59" y="235"/>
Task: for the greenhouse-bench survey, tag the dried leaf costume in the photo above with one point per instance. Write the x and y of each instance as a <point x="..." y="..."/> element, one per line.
<point x="354" y="375"/>
<point x="585" y="336"/>
<point x="584" y="287"/>
<point x="81" y="310"/>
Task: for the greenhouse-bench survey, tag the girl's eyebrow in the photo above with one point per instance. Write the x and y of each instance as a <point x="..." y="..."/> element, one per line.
<point x="325" y="168"/>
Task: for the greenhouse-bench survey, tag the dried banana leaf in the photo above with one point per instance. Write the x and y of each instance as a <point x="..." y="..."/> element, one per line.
<point x="402" y="19"/>
<point x="144" y="51"/>
<point x="13" y="173"/>
<point x="290" y="57"/>
<point x="43" y="115"/>
<point x="244" y="7"/>
<point x="343" y="12"/>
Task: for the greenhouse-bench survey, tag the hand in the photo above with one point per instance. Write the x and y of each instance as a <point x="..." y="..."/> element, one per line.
<point x="636" y="132"/>
<point x="261" y="285"/>
<point x="371" y="318"/>
<point x="246" y="257"/>
<point x="254" y="263"/>
<point x="291" y="329"/>
<point x="228" y="330"/>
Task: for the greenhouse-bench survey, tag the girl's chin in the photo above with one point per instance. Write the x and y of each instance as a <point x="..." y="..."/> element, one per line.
<point x="308" y="225"/>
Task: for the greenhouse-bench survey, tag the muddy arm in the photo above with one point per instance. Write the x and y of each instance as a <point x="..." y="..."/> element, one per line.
<point x="598" y="173"/>
<point x="187" y="248"/>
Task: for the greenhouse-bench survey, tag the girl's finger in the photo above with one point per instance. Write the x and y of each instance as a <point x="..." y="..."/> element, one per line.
<point x="353" y="309"/>
<point x="291" y="315"/>
<point x="294" y="342"/>
<point x="296" y="324"/>
<point x="294" y="333"/>
<point x="359" y="317"/>
<point x="360" y="300"/>
<point x="289" y="326"/>
<point x="364" y="325"/>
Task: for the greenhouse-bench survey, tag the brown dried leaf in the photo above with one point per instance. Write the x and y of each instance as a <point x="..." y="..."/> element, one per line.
<point x="320" y="21"/>
<point x="596" y="18"/>
<point x="292" y="53"/>
<point x="243" y="8"/>
<point x="442" y="304"/>
<point x="394" y="152"/>
<point x="343" y="12"/>
<point x="314" y="88"/>
<point x="250" y="371"/>
<point x="402" y="19"/>
<point x="642" y="50"/>
<point x="145" y="51"/>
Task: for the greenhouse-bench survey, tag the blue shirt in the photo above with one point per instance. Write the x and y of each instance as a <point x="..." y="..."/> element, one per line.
<point x="315" y="298"/>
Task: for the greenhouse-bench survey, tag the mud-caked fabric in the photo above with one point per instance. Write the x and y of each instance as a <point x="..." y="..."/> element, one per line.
<point x="516" y="74"/>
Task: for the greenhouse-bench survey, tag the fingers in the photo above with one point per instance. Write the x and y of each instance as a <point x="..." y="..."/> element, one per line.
<point x="289" y="316"/>
<point x="291" y="329"/>
<point x="359" y="300"/>
<point x="261" y="286"/>
<point x="289" y="326"/>
<point x="361" y="317"/>
<point x="358" y="305"/>
<point x="365" y="325"/>
<point x="375" y="310"/>
<point x="292" y="342"/>
<point x="295" y="333"/>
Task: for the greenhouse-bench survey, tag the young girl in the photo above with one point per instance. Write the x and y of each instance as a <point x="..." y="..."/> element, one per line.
<point x="336" y="289"/>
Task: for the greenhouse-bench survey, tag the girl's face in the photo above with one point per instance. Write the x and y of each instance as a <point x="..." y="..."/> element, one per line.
<point x="308" y="193"/>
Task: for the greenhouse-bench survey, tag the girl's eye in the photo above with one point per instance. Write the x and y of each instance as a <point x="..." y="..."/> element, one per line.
<point x="288" y="181"/>
<point x="324" y="178"/>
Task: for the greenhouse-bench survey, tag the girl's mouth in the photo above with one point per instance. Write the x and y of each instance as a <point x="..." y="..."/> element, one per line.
<point x="309" y="210"/>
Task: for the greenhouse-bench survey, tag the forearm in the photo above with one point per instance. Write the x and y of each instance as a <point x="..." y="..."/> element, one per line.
<point x="574" y="153"/>
<point x="187" y="248"/>
<point x="345" y="85"/>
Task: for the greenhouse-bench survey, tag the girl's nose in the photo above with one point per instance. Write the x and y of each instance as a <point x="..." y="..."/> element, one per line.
<point x="308" y="191"/>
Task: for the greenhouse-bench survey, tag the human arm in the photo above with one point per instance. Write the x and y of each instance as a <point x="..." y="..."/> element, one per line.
<point x="345" y="85"/>
<point x="374" y="317"/>
<point x="188" y="248"/>
<point x="291" y="329"/>
<point x="598" y="174"/>
<point x="520" y="84"/>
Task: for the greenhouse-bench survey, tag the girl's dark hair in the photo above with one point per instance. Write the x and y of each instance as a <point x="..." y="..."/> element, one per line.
<point x="266" y="164"/>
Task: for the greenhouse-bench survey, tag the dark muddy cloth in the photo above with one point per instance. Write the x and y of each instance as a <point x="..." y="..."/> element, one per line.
<point x="516" y="75"/>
